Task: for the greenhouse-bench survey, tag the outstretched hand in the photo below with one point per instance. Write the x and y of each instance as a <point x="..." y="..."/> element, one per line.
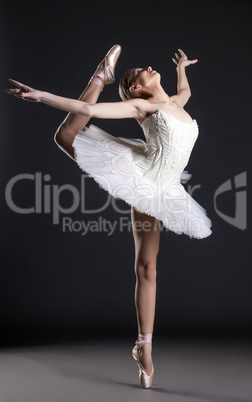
<point x="182" y="59"/>
<point x="24" y="92"/>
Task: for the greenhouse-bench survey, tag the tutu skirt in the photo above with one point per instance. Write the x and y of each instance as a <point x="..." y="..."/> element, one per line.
<point x="116" y="164"/>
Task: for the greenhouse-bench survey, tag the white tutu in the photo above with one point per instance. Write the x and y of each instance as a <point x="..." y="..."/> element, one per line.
<point x="125" y="168"/>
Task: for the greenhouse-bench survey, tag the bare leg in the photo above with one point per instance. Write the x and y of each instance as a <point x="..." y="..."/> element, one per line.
<point x="73" y="123"/>
<point x="146" y="240"/>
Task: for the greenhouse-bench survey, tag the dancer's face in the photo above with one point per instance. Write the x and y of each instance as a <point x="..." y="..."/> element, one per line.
<point x="143" y="78"/>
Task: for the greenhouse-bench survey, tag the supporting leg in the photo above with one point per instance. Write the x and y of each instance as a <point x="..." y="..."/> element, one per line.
<point x="146" y="251"/>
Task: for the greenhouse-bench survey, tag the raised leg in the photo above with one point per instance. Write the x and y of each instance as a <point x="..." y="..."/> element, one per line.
<point x="146" y="232"/>
<point x="73" y="123"/>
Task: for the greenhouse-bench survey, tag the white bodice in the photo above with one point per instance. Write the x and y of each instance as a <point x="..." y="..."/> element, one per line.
<point x="169" y="145"/>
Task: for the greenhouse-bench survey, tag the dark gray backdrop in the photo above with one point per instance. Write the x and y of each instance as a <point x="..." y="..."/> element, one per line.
<point x="57" y="284"/>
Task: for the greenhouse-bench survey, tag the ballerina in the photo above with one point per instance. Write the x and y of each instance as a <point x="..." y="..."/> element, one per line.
<point x="148" y="175"/>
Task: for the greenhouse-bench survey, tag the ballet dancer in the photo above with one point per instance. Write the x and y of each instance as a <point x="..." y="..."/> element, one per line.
<point x="148" y="175"/>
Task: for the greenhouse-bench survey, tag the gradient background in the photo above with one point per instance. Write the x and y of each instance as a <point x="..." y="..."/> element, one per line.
<point x="59" y="286"/>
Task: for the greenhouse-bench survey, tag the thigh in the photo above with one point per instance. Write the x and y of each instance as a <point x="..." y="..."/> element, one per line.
<point x="146" y="233"/>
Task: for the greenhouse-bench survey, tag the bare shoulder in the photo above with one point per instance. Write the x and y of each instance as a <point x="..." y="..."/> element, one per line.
<point x="176" y="100"/>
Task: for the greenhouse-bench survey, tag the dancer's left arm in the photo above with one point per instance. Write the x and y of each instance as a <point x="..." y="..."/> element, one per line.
<point x="183" y="87"/>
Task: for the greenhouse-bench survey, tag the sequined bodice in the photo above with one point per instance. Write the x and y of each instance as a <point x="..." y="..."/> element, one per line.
<point x="169" y="146"/>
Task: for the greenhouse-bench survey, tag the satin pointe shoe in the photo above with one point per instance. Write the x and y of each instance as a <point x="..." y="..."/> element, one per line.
<point x="106" y="69"/>
<point x="144" y="378"/>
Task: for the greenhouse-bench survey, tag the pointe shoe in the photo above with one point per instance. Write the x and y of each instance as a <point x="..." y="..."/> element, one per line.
<point x="145" y="379"/>
<point x="106" y="69"/>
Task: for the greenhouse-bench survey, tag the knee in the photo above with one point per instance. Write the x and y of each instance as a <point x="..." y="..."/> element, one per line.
<point x="64" y="139"/>
<point x="64" y="136"/>
<point x="147" y="270"/>
<point x="60" y="135"/>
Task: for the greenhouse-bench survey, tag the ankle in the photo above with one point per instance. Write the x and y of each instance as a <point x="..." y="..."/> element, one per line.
<point x="98" y="81"/>
<point x="144" y="338"/>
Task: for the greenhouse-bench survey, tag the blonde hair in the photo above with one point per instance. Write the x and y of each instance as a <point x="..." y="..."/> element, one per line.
<point x="124" y="85"/>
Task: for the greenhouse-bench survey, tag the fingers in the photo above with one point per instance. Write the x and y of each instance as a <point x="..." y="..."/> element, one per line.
<point x="183" y="58"/>
<point x="18" y="84"/>
<point x="12" y="90"/>
<point x="178" y="57"/>
<point x="20" y="92"/>
<point x="15" y="92"/>
<point x="192" y="61"/>
<point x="184" y="61"/>
<point x="22" y="87"/>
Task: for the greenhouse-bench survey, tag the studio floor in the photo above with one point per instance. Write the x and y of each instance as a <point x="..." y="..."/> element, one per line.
<point x="93" y="371"/>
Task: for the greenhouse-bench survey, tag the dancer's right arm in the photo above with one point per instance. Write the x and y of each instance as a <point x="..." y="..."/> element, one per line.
<point x="33" y="95"/>
<point x="134" y="108"/>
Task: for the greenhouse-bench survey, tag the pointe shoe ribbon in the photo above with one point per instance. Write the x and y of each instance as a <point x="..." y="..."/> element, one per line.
<point x="144" y="338"/>
<point x="106" y="69"/>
